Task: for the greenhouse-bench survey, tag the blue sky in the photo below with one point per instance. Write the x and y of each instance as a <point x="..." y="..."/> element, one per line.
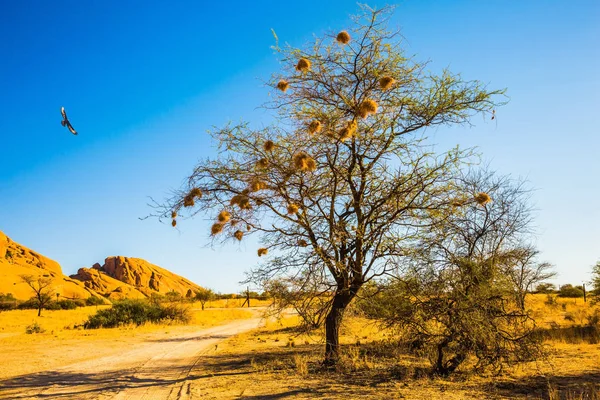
<point x="142" y="81"/>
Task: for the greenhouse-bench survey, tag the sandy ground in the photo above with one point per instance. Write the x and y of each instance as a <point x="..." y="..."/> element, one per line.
<point x="156" y="368"/>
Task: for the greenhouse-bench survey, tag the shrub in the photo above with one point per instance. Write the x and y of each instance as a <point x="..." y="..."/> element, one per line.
<point x="545" y="288"/>
<point x="30" y="304"/>
<point x="570" y="291"/>
<point x="8" y="302"/>
<point x="69" y="304"/>
<point x="94" y="301"/>
<point x="34" y="328"/>
<point x="136" y="312"/>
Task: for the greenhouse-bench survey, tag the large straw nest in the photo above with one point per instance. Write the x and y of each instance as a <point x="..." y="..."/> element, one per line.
<point x="238" y="235"/>
<point x="303" y="65"/>
<point x="348" y="131"/>
<point x="269" y="145"/>
<point x="304" y="162"/>
<point x="216" y="228"/>
<point x="482" y="198"/>
<point x="242" y="201"/>
<point x="188" y="201"/>
<point x="367" y="107"/>
<point x="292" y="209"/>
<point x="257" y="185"/>
<point x="283" y="85"/>
<point x="457" y="202"/>
<point x="315" y="127"/>
<point x="262" y="252"/>
<point x="196" y="192"/>
<point x="224" y="216"/>
<point x="263" y="163"/>
<point x="386" y="83"/>
<point x="343" y="37"/>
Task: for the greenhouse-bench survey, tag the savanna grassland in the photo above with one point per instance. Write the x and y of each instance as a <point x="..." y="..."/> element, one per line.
<point x="277" y="362"/>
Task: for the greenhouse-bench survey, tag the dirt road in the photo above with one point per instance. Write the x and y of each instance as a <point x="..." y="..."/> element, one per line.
<point x="158" y="369"/>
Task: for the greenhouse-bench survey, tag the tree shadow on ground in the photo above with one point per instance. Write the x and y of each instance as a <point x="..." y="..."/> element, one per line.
<point x="581" y="384"/>
<point x="75" y="385"/>
<point x="187" y="338"/>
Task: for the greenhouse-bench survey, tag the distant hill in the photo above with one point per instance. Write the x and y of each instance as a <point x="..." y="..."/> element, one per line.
<point x="16" y="260"/>
<point x="119" y="277"/>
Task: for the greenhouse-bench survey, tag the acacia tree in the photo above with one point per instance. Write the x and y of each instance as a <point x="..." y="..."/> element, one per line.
<point x="343" y="181"/>
<point x="42" y="287"/>
<point x="203" y="295"/>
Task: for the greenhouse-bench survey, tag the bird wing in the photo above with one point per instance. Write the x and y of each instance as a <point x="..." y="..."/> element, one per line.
<point x="73" y="131"/>
<point x="62" y="111"/>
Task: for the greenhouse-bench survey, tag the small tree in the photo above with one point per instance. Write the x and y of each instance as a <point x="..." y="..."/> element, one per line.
<point x="525" y="272"/>
<point x="455" y="298"/>
<point x="42" y="288"/>
<point x="343" y="181"/>
<point x="545" y="288"/>
<point x="203" y="295"/>
<point x="309" y="297"/>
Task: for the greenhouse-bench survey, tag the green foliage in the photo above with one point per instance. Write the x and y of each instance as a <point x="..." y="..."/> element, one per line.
<point x="571" y="291"/>
<point x="70" y="304"/>
<point x="136" y="312"/>
<point x="67" y="304"/>
<point x="34" y="328"/>
<point x="8" y="255"/>
<point x="94" y="301"/>
<point x="545" y="288"/>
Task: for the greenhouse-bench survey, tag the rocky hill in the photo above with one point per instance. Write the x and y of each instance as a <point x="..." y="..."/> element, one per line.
<point x="17" y="260"/>
<point x="119" y="277"/>
<point x="105" y="285"/>
<point x="144" y="276"/>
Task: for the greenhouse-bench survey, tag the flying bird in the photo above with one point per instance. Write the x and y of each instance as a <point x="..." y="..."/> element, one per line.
<point x="65" y="121"/>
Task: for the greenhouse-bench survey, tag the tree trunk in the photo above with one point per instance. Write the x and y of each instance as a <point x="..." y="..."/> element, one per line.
<point x="341" y="299"/>
<point x="39" y="311"/>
